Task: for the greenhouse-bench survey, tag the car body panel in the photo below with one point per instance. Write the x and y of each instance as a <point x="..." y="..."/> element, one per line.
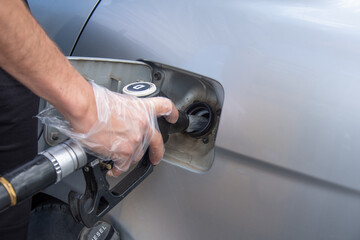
<point x="239" y="198"/>
<point x="290" y="81"/>
<point x="286" y="162"/>
<point x="62" y="20"/>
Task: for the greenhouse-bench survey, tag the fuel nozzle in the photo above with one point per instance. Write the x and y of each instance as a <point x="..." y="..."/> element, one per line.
<point x="196" y="120"/>
<point x="196" y="123"/>
<point x="201" y="119"/>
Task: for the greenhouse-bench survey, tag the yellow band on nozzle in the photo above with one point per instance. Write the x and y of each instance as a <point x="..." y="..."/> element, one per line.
<point x="9" y="188"/>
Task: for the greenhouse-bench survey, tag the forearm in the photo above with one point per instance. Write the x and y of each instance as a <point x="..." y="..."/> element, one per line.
<point x="33" y="59"/>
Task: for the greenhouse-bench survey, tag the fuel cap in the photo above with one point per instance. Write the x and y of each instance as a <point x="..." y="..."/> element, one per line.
<point x="140" y="89"/>
<point x="100" y="231"/>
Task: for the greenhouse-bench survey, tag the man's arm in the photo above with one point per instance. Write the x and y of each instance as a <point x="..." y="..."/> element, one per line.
<point x="32" y="58"/>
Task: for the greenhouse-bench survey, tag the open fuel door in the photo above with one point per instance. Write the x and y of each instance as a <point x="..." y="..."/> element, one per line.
<point x="189" y="143"/>
<point x="192" y="93"/>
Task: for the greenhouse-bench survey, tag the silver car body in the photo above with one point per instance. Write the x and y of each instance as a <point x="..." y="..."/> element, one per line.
<point x="287" y="157"/>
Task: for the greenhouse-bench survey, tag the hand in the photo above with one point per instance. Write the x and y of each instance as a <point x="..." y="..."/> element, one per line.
<point x="122" y="128"/>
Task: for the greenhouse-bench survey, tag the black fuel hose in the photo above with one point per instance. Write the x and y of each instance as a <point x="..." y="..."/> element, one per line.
<point x="44" y="170"/>
<point x="25" y="181"/>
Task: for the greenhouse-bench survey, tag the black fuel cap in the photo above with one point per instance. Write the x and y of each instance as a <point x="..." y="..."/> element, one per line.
<point x="100" y="231"/>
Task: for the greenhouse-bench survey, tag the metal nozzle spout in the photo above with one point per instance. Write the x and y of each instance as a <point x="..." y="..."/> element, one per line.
<point x="201" y="119"/>
<point x="196" y="123"/>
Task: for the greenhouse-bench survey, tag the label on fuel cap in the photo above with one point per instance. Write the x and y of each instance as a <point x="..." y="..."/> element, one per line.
<point x="140" y="89"/>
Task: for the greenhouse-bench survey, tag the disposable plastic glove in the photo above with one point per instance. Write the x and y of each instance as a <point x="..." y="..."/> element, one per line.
<point x="126" y="126"/>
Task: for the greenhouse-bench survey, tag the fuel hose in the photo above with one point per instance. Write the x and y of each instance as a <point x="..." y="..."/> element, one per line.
<point x="45" y="169"/>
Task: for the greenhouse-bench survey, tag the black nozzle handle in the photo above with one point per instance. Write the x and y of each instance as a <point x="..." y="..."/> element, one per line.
<point x="134" y="178"/>
<point x="98" y="199"/>
<point x="167" y="128"/>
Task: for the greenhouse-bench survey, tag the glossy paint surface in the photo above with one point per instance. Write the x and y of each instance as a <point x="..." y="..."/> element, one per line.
<point x="62" y="20"/>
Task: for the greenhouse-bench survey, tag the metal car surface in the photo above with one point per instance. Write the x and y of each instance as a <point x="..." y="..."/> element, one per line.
<point x="287" y="156"/>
